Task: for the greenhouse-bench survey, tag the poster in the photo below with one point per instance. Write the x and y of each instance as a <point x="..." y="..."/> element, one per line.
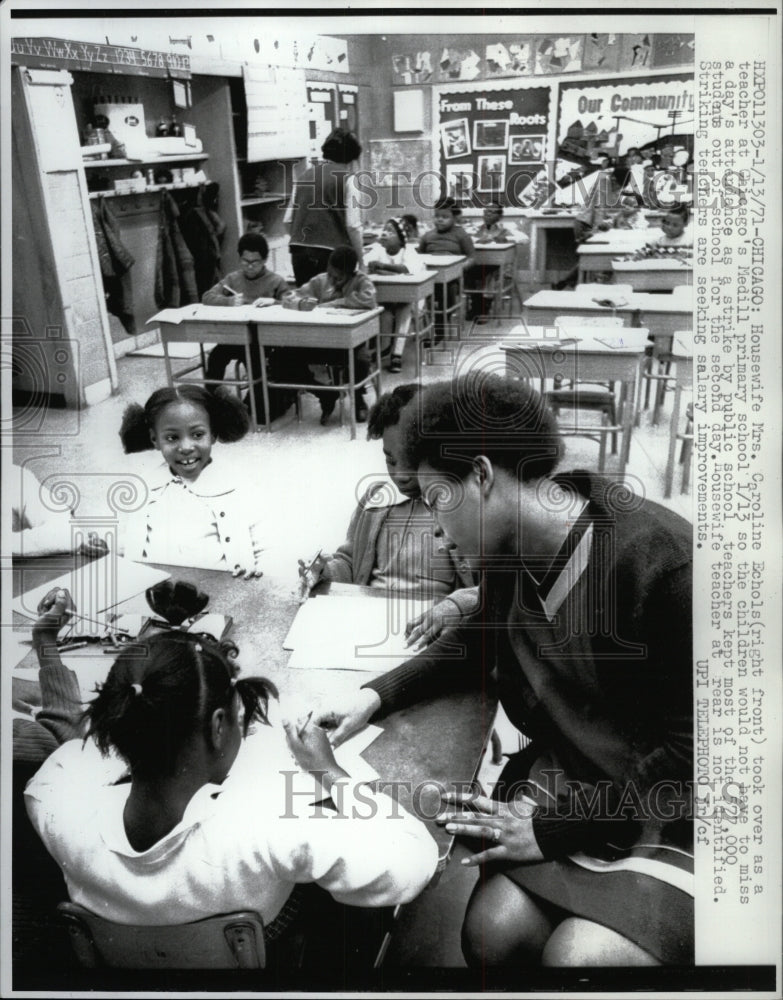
<point x="733" y="500"/>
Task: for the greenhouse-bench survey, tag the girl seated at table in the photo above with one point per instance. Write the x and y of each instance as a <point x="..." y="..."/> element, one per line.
<point x="197" y="512"/>
<point x="173" y="809"/>
<point x="393" y="542"/>
<point x="392" y="254"/>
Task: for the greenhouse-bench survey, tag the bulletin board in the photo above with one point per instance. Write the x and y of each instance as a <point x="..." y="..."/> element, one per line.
<point x="493" y="143"/>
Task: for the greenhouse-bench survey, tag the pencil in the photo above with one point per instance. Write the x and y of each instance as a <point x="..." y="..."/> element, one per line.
<point x="300" y="732"/>
<point x="228" y="288"/>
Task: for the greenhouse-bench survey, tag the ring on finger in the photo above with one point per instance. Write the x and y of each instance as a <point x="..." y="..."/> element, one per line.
<point x="496" y="834"/>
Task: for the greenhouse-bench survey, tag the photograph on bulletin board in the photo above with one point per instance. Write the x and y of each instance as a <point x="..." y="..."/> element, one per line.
<point x="460" y="180"/>
<point x="455" y="138"/>
<point x="490" y="134"/>
<point x="526" y="148"/>
<point x="492" y="174"/>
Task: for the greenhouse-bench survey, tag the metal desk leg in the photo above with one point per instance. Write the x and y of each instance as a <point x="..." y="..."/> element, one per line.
<point x="352" y="392"/>
<point x="167" y="360"/>
<point x="671" y="458"/>
<point x="251" y="387"/>
<point x="265" y="388"/>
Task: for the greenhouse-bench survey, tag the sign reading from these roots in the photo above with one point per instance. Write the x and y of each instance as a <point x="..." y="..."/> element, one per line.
<point x="492" y="143"/>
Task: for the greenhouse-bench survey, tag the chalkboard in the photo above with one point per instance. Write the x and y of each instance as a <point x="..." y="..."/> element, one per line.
<point x="411" y="156"/>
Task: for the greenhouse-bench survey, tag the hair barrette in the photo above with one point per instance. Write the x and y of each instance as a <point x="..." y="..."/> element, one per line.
<point x="136" y="688"/>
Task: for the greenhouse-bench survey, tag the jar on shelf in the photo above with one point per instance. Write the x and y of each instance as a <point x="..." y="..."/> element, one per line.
<point x="163" y="128"/>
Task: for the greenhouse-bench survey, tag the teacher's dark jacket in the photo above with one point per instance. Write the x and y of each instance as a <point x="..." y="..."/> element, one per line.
<point x="319" y="218"/>
<point x="603" y="689"/>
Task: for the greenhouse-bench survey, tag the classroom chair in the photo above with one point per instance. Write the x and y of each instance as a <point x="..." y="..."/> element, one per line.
<point x="224" y="941"/>
<point x="601" y="399"/>
<point x="684" y="383"/>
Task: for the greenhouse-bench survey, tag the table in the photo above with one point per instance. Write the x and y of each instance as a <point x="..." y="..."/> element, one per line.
<point x="500" y="255"/>
<point x="449" y="267"/>
<point x="274" y="326"/>
<point x="660" y="274"/>
<point x="393" y="289"/>
<point x="588" y="357"/>
<point x="435" y="741"/>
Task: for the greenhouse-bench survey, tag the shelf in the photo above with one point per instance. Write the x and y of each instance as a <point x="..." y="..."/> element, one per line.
<point x="152" y="189"/>
<point x="268" y="199"/>
<point x="153" y="162"/>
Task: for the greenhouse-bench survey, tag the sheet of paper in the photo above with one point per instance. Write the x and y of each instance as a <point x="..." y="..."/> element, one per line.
<point x="95" y="587"/>
<point x="352" y="632"/>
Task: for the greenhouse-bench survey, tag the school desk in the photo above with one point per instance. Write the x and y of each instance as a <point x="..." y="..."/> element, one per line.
<point x="501" y="256"/>
<point x="597" y="253"/>
<point x="656" y="274"/>
<point x="397" y="289"/>
<point x="322" y="327"/>
<point x="274" y="326"/>
<point x="543" y="307"/>
<point x="448" y="268"/>
<point x="582" y="354"/>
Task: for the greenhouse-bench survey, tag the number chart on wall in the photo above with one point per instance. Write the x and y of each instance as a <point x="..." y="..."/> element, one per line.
<point x="493" y="143"/>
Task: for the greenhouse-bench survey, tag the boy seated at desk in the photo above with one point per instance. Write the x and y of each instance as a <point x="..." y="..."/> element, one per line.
<point x="243" y="287"/>
<point x="447" y="238"/>
<point x="393" y="543"/>
<point x="483" y="276"/>
<point x="342" y="286"/>
<point x="676" y="231"/>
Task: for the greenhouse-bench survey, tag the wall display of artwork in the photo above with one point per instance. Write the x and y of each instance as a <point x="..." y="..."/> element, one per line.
<point x="673" y="50"/>
<point x="559" y="54"/>
<point x="509" y="59"/>
<point x="601" y="51"/>
<point x="511" y="123"/>
<point x="458" y="64"/>
<point x="412" y="67"/>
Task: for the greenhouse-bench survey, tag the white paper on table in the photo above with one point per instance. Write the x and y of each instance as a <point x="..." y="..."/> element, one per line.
<point x="95" y="586"/>
<point x="352" y="632"/>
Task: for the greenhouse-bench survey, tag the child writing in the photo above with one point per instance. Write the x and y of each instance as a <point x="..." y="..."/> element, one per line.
<point x="394" y="545"/>
<point x="207" y="823"/>
<point x="243" y="287"/>
<point x="196" y="513"/>
<point x="447" y="238"/>
<point x="392" y="254"/>
<point x="342" y="286"/>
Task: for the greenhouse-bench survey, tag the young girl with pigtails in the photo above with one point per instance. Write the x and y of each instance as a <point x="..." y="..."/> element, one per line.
<point x="197" y="512"/>
<point x="181" y="802"/>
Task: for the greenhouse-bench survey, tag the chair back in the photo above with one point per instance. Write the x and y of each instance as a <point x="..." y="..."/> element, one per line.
<point x="224" y="941"/>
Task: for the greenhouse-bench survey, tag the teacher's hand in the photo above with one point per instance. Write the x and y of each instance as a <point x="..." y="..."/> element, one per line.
<point x="426" y="627"/>
<point x="507" y="830"/>
<point x="344" y="722"/>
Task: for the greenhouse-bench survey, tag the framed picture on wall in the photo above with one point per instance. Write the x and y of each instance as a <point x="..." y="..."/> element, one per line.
<point x="526" y="148"/>
<point x="490" y="134"/>
<point x="460" y="180"/>
<point x="455" y="137"/>
<point x="492" y="174"/>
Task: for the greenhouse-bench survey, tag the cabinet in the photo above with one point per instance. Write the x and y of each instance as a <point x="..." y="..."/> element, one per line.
<point x="264" y="185"/>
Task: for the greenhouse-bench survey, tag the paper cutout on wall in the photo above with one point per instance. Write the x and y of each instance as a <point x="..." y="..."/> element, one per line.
<point x="415" y="67"/>
<point x="511" y="60"/>
<point x="559" y="55"/>
<point x="602" y="51"/>
<point x="459" y="64"/>
<point x="635" y="51"/>
<point x="673" y="50"/>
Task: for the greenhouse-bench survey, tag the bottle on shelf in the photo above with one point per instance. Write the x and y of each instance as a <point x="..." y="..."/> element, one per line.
<point x="176" y="127"/>
<point x="163" y="128"/>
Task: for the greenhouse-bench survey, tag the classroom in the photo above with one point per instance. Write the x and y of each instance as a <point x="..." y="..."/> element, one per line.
<point x="305" y="317"/>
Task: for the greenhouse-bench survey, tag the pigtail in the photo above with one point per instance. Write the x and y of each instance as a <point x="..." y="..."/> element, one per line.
<point x="134" y="430"/>
<point x="254" y="693"/>
<point x="228" y="416"/>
